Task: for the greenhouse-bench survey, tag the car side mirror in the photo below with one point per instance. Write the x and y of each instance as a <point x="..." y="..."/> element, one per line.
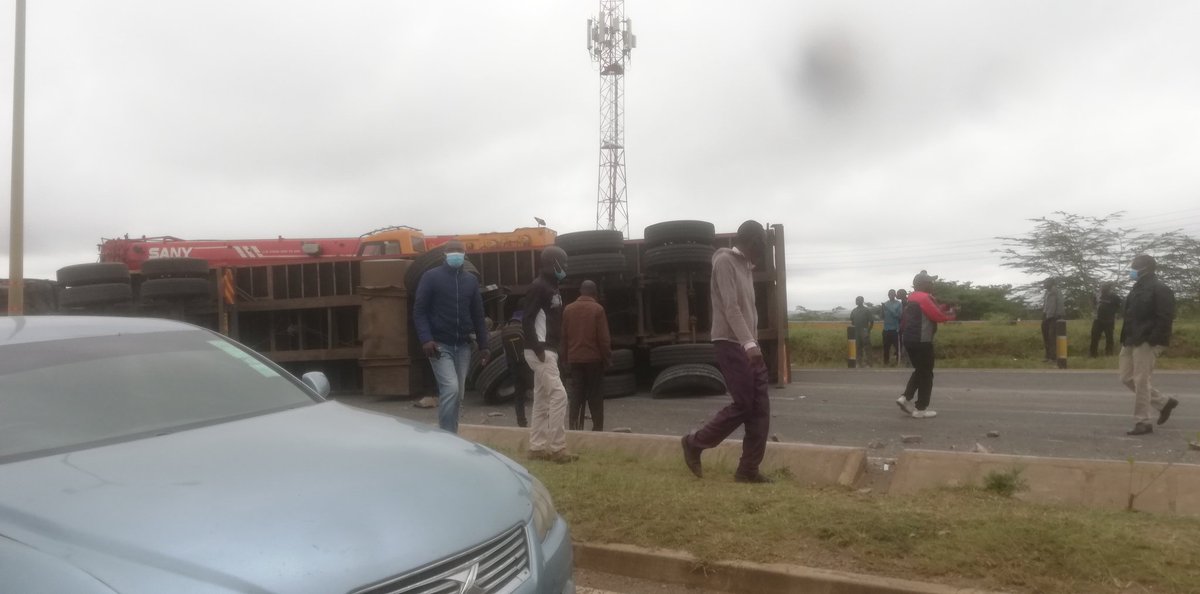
<point x="318" y="382"/>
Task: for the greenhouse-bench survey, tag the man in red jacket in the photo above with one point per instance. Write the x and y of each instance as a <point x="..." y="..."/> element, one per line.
<point x="918" y="324"/>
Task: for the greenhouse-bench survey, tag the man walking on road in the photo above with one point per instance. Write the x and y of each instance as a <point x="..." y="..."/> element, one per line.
<point x="447" y="309"/>
<point x="541" y="322"/>
<point x="918" y="325"/>
<point x="734" y="335"/>
<point x="1104" y="319"/>
<point x="588" y="352"/>
<point x="1053" y="310"/>
<point x="891" y="326"/>
<point x="863" y="321"/>
<point x="1145" y="334"/>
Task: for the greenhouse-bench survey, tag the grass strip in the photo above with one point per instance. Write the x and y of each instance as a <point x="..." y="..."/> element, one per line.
<point x="964" y="537"/>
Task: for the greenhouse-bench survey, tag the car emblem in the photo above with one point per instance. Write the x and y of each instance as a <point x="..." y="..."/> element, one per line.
<point x="467" y="577"/>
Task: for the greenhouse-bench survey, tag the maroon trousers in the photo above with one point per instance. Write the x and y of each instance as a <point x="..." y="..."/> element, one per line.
<point x="750" y="407"/>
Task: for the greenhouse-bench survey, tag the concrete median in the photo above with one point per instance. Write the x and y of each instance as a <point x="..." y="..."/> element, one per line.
<point x="808" y="464"/>
<point x="1108" y="484"/>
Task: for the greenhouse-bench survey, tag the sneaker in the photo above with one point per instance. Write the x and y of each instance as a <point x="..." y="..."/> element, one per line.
<point x="756" y="478"/>
<point x="538" y="455"/>
<point x="924" y="414"/>
<point x="1141" y="429"/>
<point x="562" y="457"/>
<point x="1165" y="413"/>
<point x="905" y="405"/>
<point x="427" y="402"/>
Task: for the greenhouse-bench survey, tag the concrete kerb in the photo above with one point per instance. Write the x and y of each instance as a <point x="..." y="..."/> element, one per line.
<point x="740" y="577"/>
<point x="1108" y="484"/>
<point x="812" y="465"/>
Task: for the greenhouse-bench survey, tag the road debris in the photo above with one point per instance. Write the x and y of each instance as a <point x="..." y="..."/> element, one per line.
<point x="910" y="438"/>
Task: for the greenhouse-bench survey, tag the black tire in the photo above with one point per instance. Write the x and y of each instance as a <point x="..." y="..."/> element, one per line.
<point x="495" y="349"/>
<point x="595" y="264"/>
<point x="689" y="380"/>
<point x="689" y="255"/>
<point x="668" y="232"/>
<point x="683" y="354"/>
<point x="92" y="295"/>
<point x="165" y="289"/>
<point x="591" y="242"/>
<point x="175" y="268"/>
<point x="622" y="361"/>
<point x="616" y="386"/>
<point x="427" y="261"/>
<point x="496" y="384"/>
<point x="97" y="273"/>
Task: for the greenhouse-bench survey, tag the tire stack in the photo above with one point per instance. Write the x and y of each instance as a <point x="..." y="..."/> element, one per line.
<point x="94" y="288"/>
<point x="675" y="245"/>
<point x="175" y="281"/>
<point x="619" y="379"/>
<point x="686" y="370"/>
<point x="593" y="253"/>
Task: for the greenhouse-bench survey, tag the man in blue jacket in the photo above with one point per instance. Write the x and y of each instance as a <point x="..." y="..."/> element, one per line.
<point x="447" y="309"/>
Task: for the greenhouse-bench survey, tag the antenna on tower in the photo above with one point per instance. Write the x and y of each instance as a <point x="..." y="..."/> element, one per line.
<point x="610" y="40"/>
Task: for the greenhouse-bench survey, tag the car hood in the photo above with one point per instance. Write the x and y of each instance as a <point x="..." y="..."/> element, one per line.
<point x="322" y="498"/>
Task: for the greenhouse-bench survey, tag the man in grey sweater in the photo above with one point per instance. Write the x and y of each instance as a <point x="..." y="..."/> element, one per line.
<point x="734" y="334"/>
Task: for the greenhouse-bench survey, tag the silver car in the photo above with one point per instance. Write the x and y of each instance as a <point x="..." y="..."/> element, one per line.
<point x="150" y="456"/>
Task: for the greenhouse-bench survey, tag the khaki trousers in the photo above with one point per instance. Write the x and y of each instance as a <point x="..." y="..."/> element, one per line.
<point x="1136" y="365"/>
<point x="548" y="419"/>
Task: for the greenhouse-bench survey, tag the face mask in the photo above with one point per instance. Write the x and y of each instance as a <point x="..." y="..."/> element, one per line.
<point x="455" y="259"/>
<point x="559" y="273"/>
<point x="1133" y="274"/>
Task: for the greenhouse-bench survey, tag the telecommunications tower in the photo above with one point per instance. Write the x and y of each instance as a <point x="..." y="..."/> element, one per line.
<point x="610" y="40"/>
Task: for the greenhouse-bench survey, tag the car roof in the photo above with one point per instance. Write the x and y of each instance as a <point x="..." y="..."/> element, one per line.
<point x="30" y="329"/>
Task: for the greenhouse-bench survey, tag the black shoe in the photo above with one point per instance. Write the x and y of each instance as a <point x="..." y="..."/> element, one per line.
<point x="757" y="478"/>
<point x="691" y="457"/>
<point x="1141" y="429"/>
<point x="522" y="423"/>
<point x="1165" y="413"/>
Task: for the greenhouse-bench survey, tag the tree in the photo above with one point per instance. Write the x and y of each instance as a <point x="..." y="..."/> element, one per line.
<point x="1079" y="251"/>
<point x="979" y="302"/>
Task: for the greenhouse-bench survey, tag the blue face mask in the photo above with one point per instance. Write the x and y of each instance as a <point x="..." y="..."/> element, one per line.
<point x="559" y="273"/>
<point x="1133" y="274"/>
<point x="455" y="259"/>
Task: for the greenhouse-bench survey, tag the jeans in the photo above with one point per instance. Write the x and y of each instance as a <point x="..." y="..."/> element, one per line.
<point x="921" y="380"/>
<point x="751" y="407"/>
<point x="587" y="392"/>
<point x="450" y="370"/>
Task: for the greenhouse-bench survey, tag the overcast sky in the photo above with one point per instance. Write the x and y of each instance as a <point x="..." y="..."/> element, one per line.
<point x="885" y="136"/>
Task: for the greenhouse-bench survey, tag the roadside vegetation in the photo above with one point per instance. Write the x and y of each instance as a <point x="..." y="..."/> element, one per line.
<point x="988" y="344"/>
<point x="967" y="537"/>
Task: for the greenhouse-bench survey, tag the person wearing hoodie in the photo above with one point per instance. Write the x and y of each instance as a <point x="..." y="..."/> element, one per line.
<point x="918" y="325"/>
<point x="447" y="309"/>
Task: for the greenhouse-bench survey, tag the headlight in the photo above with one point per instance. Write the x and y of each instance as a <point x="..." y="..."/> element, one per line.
<point x="544" y="513"/>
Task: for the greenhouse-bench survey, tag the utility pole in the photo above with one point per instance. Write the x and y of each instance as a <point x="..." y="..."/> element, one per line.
<point x="16" y="242"/>
<point x="610" y="41"/>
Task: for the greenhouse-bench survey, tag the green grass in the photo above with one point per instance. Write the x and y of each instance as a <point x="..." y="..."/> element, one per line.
<point x="965" y="537"/>
<point x="986" y="345"/>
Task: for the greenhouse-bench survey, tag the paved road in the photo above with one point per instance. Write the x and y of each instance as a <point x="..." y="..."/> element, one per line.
<point x="1079" y="414"/>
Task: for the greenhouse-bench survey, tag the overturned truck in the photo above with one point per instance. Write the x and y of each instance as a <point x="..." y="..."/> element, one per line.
<point x="350" y="317"/>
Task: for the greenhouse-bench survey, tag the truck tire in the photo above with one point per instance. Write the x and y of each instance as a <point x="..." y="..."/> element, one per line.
<point x="496" y="384"/>
<point x="622" y="361"/>
<point x="162" y="289"/>
<point x="428" y="261"/>
<point x="616" y="386"/>
<point x="96" y="273"/>
<point x="689" y="380"/>
<point x="99" y="294"/>
<point x="682" y="354"/>
<point x="157" y="268"/>
<point x="687" y="255"/>
<point x="668" y="232"/>
<point x="591" y="242"/>
<point x="578" y="266"/>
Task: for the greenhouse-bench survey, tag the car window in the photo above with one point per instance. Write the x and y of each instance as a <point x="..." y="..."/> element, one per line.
<point x="64" y="394"/>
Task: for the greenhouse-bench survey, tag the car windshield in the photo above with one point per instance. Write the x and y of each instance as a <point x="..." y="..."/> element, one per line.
<point x="59" y="395"/>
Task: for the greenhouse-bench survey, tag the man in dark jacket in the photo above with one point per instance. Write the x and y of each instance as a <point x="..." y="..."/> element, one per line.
<point x="1104" y="318"/>
<point x="1145" y="334"/>
<point x="542" y="325"/>
<point x="512" y="337"/>
<point x="447" y="309"/>
<point x="588" y="352"/>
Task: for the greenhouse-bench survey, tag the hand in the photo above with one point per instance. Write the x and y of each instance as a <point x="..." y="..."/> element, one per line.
<point x="484" y="356"/>
<point x="431" y="350"/>
<point x="1159" y="350"/>
<point x="756" y="357"/>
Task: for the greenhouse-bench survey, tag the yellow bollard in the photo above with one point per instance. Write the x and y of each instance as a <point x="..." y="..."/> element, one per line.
<point x="1060" y="343"/>
<point x="851" y="347"/>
